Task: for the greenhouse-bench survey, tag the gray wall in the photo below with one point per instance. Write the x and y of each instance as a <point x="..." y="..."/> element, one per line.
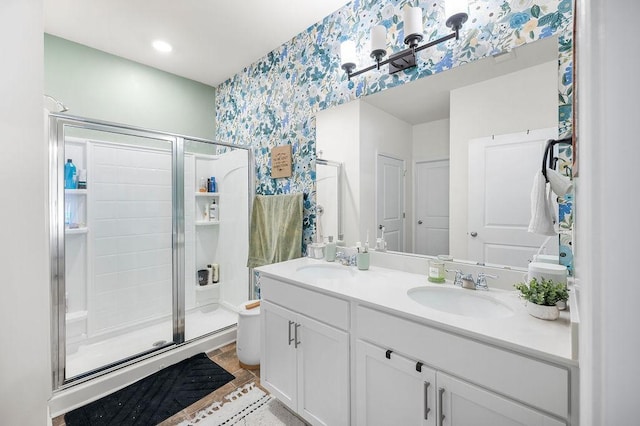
<point x="25" y="373"/>
<point x="96" y="84"/>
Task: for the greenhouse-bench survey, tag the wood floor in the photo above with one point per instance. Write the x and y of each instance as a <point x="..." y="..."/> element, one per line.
<point x="226" y="358"/>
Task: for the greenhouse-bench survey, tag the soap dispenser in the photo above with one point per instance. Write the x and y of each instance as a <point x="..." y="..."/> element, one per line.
<point x="330" y="250"/>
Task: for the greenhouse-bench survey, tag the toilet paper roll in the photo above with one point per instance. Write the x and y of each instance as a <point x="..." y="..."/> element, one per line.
<point x="560" y="184"/>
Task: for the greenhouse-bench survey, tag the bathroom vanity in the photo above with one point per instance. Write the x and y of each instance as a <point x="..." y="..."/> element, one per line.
<point x="342" y="346"/>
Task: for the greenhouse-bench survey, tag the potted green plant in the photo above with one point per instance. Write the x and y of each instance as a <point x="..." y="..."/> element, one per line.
<point x="542" y="297"/>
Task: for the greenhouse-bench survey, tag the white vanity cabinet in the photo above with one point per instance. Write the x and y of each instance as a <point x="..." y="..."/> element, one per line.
<point x="305" y="357"/>
<point x="392" y="391"/>
<point x="463" y="404"/>
<point x="467" y="380"/>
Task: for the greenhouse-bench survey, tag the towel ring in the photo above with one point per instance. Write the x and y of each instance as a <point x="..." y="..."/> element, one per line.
<point x="552" y="160"/>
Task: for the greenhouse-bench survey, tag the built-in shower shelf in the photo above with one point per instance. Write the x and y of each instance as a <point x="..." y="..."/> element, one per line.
<point x="76" y="316"/>
<point x="75" y="191"/>
<point x="208" y="223"/>
<point x="207" y="194"/>
<point x="207" y="287"/>
<point x="72" y="231"/>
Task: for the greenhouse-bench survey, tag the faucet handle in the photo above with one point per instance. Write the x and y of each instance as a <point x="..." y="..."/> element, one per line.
<point x="458" y="279"/>
<point x="482" y="280"/>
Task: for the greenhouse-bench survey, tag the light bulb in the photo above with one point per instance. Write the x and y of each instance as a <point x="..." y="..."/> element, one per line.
<point x="348" y="55"/>
<point x="378" y="38"/>
<point x="162" y="46"/>
<point x="412" y="24"/>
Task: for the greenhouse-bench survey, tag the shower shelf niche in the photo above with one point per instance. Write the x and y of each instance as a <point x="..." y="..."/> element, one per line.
<point x="75" y="191"/>
<point x="75" y="207"/>
<point x="207" y="222"/>
<point x="74" y="231"/>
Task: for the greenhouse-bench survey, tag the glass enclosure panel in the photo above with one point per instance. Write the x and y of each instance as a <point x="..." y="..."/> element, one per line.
<point x="216" y="196"/>
<point x="118" y="247"/>
<point x="328" y="198"/>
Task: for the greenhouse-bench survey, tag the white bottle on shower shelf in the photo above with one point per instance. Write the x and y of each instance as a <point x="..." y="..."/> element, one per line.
<point x="209" y="274"/>
<point x="213" y="211"/>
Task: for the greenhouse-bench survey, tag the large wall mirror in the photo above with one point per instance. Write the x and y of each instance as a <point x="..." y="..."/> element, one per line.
<point x="446" y="163"/>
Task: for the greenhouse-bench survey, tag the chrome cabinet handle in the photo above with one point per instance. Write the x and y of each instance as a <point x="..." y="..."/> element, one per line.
<point x="297" y="342"/>
<point x="426" y="400"/>
<point x="290" y="339"/>
<point x="474" y="234"/>
<point x="419" y="222"/>
<point x="441" y="417"/>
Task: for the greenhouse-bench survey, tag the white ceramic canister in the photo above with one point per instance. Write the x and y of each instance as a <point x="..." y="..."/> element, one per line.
<point x="548" y="271"/>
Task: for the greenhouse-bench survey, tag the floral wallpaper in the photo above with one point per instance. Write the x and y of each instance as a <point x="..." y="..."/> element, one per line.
<point x="274" y="101"/>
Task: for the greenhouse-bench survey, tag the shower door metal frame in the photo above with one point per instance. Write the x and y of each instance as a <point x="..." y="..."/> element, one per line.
<point x="57" y="123"/>
<point x="338" y="166"/>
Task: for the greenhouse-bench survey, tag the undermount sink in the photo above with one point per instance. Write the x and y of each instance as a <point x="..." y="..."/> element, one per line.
<point x="329" y="271"/>
<point x="468" y="303"/>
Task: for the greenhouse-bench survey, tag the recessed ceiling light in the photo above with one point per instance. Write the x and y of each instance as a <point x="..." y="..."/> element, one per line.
<point x="162" y="46"/>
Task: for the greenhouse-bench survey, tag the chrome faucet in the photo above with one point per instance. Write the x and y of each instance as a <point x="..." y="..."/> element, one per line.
<point x="466" y="280"/>
<point x="345" y="259"/>
<point x="458" y="279"/>
<point x="481" y="284"/>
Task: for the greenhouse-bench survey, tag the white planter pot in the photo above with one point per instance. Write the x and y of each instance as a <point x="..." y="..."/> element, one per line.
<point x="549" y="313"/>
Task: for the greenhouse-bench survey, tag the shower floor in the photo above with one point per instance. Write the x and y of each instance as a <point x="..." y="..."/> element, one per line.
<point x="98" y="354"/>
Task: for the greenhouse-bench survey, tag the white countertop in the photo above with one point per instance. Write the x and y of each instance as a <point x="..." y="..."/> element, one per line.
<point x="386" y="289"/>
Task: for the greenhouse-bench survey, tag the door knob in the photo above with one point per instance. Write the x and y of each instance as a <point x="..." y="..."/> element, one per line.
<point x="474" y="234"/>
<point x="419" y="222"/>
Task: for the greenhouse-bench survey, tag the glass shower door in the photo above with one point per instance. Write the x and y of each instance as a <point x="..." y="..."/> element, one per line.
<point x="118" y="247"/>
<point x="216" y="197"/>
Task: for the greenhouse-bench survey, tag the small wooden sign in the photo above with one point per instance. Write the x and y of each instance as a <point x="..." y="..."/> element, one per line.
<point x="281" y="161"/>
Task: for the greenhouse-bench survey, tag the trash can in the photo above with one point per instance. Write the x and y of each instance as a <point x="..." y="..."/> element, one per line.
<point x="248" y="339"/>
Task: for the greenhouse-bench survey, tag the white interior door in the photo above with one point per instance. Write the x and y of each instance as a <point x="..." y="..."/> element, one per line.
<point x="431" y="189"/>
<point x="390" y="200"/>
<point x="501" y="171"/>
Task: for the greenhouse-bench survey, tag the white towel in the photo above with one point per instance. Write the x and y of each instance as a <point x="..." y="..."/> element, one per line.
<point x="542" y="207"/>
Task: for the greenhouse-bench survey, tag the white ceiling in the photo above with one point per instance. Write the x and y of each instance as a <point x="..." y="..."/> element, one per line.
<point x="212" y="39"/>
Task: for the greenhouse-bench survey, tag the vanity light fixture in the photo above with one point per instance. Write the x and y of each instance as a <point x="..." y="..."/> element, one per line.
<point x="162" y="46"/>
<point x="456" y="10"/>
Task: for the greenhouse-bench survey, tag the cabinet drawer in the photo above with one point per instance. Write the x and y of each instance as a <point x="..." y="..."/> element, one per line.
<point x="532" y="382"/>
<point x="328" y="309"/>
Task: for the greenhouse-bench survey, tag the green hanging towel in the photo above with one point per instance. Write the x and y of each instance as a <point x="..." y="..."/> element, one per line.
<point x="275" y="233"/>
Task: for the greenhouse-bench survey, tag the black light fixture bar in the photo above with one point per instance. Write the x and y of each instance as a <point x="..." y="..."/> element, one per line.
<point x="410" y="52"/>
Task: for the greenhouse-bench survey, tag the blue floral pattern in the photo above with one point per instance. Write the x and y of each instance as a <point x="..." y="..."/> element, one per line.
<point x="274" y="101"/>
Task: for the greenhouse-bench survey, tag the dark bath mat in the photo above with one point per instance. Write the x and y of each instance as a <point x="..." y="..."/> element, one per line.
<point x="155" y="398"/>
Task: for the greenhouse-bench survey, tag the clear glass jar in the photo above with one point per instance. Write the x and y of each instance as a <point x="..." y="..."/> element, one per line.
<point x="436" y="271"/>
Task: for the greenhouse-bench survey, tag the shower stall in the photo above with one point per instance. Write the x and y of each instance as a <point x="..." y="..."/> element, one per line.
<point x="136" y="237"/>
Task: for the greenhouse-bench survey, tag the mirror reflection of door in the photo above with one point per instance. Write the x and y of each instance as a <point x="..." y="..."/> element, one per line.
<point x="501" y="171"/>
<point x="390" y="200"/>
<point x="431" y="226"/>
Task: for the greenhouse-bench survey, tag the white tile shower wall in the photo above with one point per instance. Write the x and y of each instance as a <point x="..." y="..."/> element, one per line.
<point x="130" y="216"/>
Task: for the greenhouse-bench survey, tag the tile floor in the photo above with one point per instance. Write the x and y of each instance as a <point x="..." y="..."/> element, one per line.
<point x="227" y="359"/>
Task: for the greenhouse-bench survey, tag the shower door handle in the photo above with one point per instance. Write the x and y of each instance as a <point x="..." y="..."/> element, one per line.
<point x="290" y="339"/>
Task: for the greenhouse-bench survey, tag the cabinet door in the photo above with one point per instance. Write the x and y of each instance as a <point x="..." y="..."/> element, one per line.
<point x="392" y="391"/>
<point x="323" y="373"/>
<point x="278" y="355"/>
<point x="466" y="405"/>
